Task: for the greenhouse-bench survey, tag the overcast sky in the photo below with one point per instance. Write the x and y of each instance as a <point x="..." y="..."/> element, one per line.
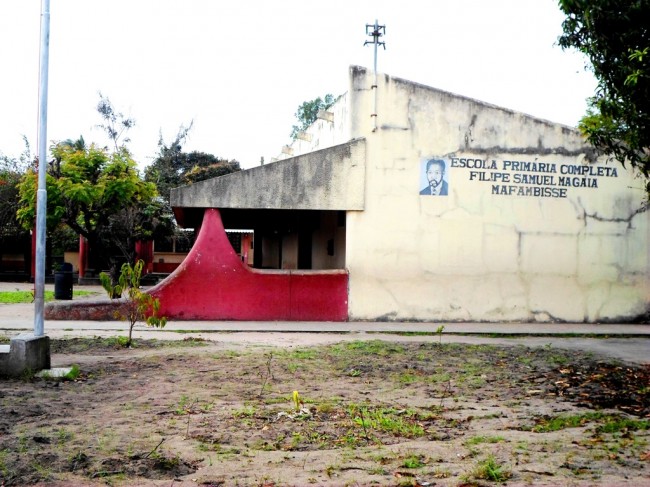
<point x="239" y="70"/>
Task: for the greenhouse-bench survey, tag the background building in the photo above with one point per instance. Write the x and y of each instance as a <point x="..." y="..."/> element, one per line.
<point x="531" y="224"/>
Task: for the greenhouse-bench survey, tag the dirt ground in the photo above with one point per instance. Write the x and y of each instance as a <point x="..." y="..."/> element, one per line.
<point x="207" y="413"/>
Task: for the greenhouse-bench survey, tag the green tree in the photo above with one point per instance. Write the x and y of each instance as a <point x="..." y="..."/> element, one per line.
<point x="173" y="167"/>
<point x="14" y="239"/>
<point x="615" y="37"/>
<point x="11" y="170"/>
<point x="88" y="188"/>
<point x="308" y="112"/>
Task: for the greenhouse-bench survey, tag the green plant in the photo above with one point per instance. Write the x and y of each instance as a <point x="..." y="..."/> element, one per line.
<point x="297" y="401"/>
<point x="73" y="373"/>
<point x="484" y="439"/>
<point x="439" y="331"/>
<point x="388" y="420"/>
<point x="413" y="461"/>
<point x="15" y="297"/>
<point x="4" y="469"/>
<point x="615" y="425"/>
<point x="181" y="407"/>
<point x="556" y="423"/>
<point x="114" y="290"/>
<point x="489" y="469"/>
<point x="266" y="374"/>
<point x="139" y="306"/>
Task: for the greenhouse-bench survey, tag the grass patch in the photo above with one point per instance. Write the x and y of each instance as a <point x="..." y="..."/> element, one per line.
<point x="557" y="423"/>
<point x="413" y="461"/>
<point x="16" y="297"/>
<point x="489" y="469"/>
<point x="616" y="425"/>
<point x="372" y="347"/>
<point x="388" y="420"/>
<point x="476" y="440"/>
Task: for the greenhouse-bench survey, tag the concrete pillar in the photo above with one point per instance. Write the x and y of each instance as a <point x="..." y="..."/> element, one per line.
<point x="26" y="353"/>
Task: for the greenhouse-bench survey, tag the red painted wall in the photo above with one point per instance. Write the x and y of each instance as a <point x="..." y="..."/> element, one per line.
<point x="213" y="284"/>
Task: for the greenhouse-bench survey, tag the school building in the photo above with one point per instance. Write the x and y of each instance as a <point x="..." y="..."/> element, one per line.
<point x="405" y="202"/>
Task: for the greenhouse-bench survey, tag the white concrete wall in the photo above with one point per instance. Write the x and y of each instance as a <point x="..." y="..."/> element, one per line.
<point x="323" y="133"/>
<point x="478" y="254"/>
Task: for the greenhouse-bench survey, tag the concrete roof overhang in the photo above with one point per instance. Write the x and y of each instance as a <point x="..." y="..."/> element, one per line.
<point x="328" y="179"/>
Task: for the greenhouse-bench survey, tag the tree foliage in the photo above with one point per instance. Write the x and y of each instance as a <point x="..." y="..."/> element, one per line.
<point x="615" y="37"/>
<point x="308" y="112"/>
<point x="93" y="191"/>
<point x="115" y="124"/>
<point x="11" y="170"/>
<point x="173" y="167"/>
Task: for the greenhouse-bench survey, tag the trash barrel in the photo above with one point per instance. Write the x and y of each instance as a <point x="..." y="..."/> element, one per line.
<point x="63" y="282"/>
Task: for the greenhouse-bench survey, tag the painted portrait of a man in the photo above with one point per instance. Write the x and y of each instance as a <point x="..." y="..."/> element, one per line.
<point x="435" y="177"/>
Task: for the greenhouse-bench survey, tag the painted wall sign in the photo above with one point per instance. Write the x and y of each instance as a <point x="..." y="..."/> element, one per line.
<point x="526" y="178"/>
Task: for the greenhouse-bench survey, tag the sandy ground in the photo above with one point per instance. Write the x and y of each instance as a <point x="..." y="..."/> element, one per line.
<point x="368" y="413"/>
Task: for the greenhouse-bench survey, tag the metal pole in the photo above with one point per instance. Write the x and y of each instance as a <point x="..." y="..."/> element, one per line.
<point x="41" y="194"/>
<point x="376" y="33"/>
<point x="375" y="70"/>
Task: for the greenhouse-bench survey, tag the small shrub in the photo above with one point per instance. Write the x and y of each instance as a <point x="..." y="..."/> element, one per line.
<point x="139" y="306"/>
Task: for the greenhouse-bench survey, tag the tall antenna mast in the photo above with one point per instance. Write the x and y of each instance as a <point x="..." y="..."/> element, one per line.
<point x="376" y="31"/>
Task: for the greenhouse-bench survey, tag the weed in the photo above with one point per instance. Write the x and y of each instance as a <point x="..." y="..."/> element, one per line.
<point x="328" y="406"/>
<point x="118" y="342"/>
<point x="476" y="440"/>
<point x="181" y="407"/>
<point x="387" y="420"/>
<point x="489" y="469"/>
<point x="44" y="472"/>
<point x="439" y="331"/>
<point x="64" y="436"/>
<point x="407" y="378"/>
<point x="207" y="407"/>
<point x="373" y="347"/>
<point x="23" y="446"/>
<point x="303" y="354"/>
<point x="4" y="469"/>
<point x="73" y="373"/>
<point x="558" y="359"/>
<point x="267" y="373"/>
<point x="330" y="470"/>
<point x="615" y="425"/>
<point x="557" y="423"/>
<point x="439" y="377"/>
<point x="521" y="445"/>
<point x="441" y="473"/>
<point x="247" y="411"/>
<point x="413" y="461"/>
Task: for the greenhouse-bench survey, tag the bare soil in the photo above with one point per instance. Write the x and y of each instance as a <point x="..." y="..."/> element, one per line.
<point x="365" y="413"/>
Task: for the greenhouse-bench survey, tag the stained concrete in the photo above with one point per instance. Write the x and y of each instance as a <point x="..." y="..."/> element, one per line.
<point x="27" y="353"/>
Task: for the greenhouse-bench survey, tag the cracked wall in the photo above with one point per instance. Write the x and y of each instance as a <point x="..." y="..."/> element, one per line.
<point x="565" y="239"/>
